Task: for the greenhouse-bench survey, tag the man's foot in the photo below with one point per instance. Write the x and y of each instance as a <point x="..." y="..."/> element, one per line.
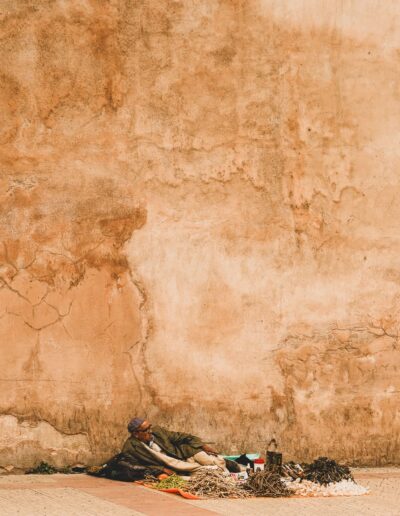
<point x="232" y="466"/>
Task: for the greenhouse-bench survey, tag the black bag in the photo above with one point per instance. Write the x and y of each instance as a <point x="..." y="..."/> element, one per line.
<point x="244" y="460"/>
<point x="120" y="468"/>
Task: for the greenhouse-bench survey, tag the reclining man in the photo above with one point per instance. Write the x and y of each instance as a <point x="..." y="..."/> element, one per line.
<point x="169" y="452"/>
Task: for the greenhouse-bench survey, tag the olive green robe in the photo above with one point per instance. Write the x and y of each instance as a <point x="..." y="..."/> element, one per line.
<point x="175" y="444"/>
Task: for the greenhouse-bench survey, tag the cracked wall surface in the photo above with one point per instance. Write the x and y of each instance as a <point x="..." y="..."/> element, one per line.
<point x="199" y="223"/>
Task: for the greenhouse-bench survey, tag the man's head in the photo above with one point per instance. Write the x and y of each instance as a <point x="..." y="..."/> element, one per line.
<point x="141" y="429"/>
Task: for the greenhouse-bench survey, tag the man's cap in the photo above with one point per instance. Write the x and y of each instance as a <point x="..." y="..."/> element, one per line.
<point x="134" y="424"/>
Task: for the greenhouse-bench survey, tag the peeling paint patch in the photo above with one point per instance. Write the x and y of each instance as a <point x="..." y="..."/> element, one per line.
<point x="41" y="440"/>
<point x="13" y="432"/>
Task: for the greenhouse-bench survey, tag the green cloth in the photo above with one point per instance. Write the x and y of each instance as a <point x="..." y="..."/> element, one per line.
<point x="175" y="444"/>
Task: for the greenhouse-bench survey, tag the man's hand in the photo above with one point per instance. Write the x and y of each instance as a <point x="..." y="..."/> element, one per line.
<point x="209" y="450"/>
<point x="168" y="472"/>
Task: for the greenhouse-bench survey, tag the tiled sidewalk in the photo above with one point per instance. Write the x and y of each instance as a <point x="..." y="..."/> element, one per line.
<point x="383" y="499"/>
<point x="81" y="495"/>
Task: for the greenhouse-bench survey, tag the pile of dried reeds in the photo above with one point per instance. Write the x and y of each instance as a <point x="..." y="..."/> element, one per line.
<point x="266" y="483"/>
<point x="324" y="471"/>
<point x="208" y="483"/>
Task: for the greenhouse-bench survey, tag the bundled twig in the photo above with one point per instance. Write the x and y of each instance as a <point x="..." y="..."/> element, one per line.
<point x="208" y="483"/>
<point x="324" y="471"/>
<point x="292" y="470"/>
<point x="266" y="483"/>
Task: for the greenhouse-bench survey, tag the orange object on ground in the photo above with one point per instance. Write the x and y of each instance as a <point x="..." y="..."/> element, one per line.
<point x="185" y="494"/>
<point x="172" y="490"/>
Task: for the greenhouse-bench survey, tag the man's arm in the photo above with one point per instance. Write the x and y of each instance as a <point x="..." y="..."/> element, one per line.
<point x="178" y="438"/>
<point x="140" y="459"/>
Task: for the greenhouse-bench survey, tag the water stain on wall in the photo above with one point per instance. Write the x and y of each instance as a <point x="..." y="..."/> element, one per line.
<point x="198" y="216"/>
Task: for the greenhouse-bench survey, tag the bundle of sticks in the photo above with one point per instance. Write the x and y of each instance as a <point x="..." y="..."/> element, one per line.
<point x="214" y="484"/>
<point x="322" y="471"/>
<point x="292" y="470"/>
<point x="266" y="483"/>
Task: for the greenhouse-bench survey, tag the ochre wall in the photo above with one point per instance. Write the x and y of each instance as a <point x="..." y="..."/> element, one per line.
<point x="200" y="223"/>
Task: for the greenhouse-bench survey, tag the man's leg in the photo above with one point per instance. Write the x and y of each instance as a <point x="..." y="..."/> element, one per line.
<point x="204" y="459"/>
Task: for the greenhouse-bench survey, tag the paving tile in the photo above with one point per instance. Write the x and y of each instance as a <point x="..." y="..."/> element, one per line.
<point x="82" y="495"/>
<point x="58" y="502"/>
<point x="149" y="502"/>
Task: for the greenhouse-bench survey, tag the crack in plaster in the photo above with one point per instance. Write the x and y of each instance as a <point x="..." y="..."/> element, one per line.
<point x="144" y="386"/>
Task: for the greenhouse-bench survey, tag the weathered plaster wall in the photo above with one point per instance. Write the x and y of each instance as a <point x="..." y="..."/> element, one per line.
<point x="199" y="223"/>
